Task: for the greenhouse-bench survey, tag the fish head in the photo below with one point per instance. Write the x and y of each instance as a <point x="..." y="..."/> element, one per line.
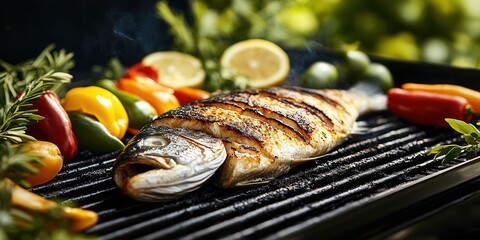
<point x="163" y="163"/>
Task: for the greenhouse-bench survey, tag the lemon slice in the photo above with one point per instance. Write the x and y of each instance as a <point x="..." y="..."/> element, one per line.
<point x="263" y="62"/>
<point x="176" y="69"/>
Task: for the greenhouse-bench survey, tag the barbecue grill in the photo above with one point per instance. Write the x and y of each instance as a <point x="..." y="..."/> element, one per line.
<point x="379" y="184"/>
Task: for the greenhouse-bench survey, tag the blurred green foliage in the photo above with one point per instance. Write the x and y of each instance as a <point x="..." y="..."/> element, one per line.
<point x="442" y="31"/>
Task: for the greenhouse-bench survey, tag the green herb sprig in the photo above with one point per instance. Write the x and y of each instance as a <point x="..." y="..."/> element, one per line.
<point x="16" y="163"/>
<point x="21" y="84"/>
<point x="16" y="115"/>
<point x="112" y="70"/>
<point x="449" y="152"/>
<point x="16" y="77"/>
<point x="193" y="39"/>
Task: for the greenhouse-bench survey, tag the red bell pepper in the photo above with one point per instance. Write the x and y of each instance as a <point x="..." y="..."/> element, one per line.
<point x="426" y="108"/>
<point x="56" y="126"/>
<point x="141" y="70"/>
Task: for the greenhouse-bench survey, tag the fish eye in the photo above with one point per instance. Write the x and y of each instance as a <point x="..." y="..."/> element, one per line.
<point x="155" y="141"/>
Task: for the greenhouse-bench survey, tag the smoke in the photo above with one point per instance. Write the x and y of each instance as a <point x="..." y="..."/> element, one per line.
<point x="126" y="30"/>
<point x="135" y="33"/>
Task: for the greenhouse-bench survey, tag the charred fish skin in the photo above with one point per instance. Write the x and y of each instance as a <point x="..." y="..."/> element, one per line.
<point x="163" y="163"/>
<point x="268" y="131"/>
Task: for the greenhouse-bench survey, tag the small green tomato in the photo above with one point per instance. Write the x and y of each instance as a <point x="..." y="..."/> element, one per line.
<point x="320" y="75"/>
<point x="357" y="62"/>
<point x="378" y="74"/>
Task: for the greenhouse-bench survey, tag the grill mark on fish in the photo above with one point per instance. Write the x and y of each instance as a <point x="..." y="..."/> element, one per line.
<point x="297" y="121"/>
<point x="258" y="113"/>
<point x="253" y="135"/>
<point x="251" y="103"/>
<point x="318" y="95"/>
<point x="323" y="96"/>
<point x="327" y="121"/>
<point x="244" y="130"/>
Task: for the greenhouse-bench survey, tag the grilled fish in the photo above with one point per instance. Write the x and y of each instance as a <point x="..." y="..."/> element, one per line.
<point x="250" y="136"/>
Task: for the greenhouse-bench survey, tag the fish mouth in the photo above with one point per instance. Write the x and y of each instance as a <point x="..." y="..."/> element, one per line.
<point x="155" y="178"/>
<point x="139" y="165"/>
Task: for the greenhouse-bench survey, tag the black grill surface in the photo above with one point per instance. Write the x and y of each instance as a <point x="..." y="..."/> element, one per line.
<point x="390" y="154"/>
<point x="341" y="194"/>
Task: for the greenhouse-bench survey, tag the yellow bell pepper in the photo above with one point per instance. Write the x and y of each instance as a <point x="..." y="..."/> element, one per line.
<point x="100" y="103"/>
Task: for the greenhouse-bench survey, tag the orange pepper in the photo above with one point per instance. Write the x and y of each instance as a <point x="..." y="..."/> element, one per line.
<point x="160" y="97"/>
<point x="77" y="218"/>
<point x="472" y="96"/>
<point x="190" y="94"/>
<point x="51" y="160"/>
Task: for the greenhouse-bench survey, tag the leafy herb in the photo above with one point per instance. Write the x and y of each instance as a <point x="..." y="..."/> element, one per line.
<point x="15" y="115"/>
<point x="16" y="77"/>
<point x="17" y="163"/>
<point x="182" y="33"/>
<point x="195" y="40"/>
<point x="113" y="70"/>
<point x="451" y="151"/>
<point x="20" y="85"/>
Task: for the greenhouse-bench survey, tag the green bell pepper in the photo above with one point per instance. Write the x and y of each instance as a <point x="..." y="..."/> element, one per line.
<point x="138" y="110"/>
<point x="92" y="135"/>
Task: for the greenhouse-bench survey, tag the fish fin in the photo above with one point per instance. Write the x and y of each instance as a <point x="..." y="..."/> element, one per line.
<point x="255" y="181"/>
<point x="303" y="160"/>
<point x="307" y="159"/>
<point x="372" y="96"/>
<point x="359" y="128"/>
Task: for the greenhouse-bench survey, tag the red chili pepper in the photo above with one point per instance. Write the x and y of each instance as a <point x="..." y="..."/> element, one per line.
<point x="56" y="127"/>
<point x="426" y="108"/>
<point x="141" y="70"/>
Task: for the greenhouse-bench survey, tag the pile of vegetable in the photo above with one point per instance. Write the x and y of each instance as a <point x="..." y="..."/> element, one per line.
<point x="42" y="124"/>
<point x="440" y="105"/>
<point x="430" y="104"/>
<point x="353" y="67"/>
<point x="31" y="109"/>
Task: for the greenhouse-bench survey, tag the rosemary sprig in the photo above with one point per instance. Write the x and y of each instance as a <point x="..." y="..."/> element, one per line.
<point x="16" y="163"/>
<point x="16" y="77"/>
<point x="21" y="84"/>
<point x="448" y="152"/>
<point x="16" y="115"/>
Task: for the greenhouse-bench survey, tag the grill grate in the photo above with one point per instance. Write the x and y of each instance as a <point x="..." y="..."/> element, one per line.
<point x="386" y="157"/>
